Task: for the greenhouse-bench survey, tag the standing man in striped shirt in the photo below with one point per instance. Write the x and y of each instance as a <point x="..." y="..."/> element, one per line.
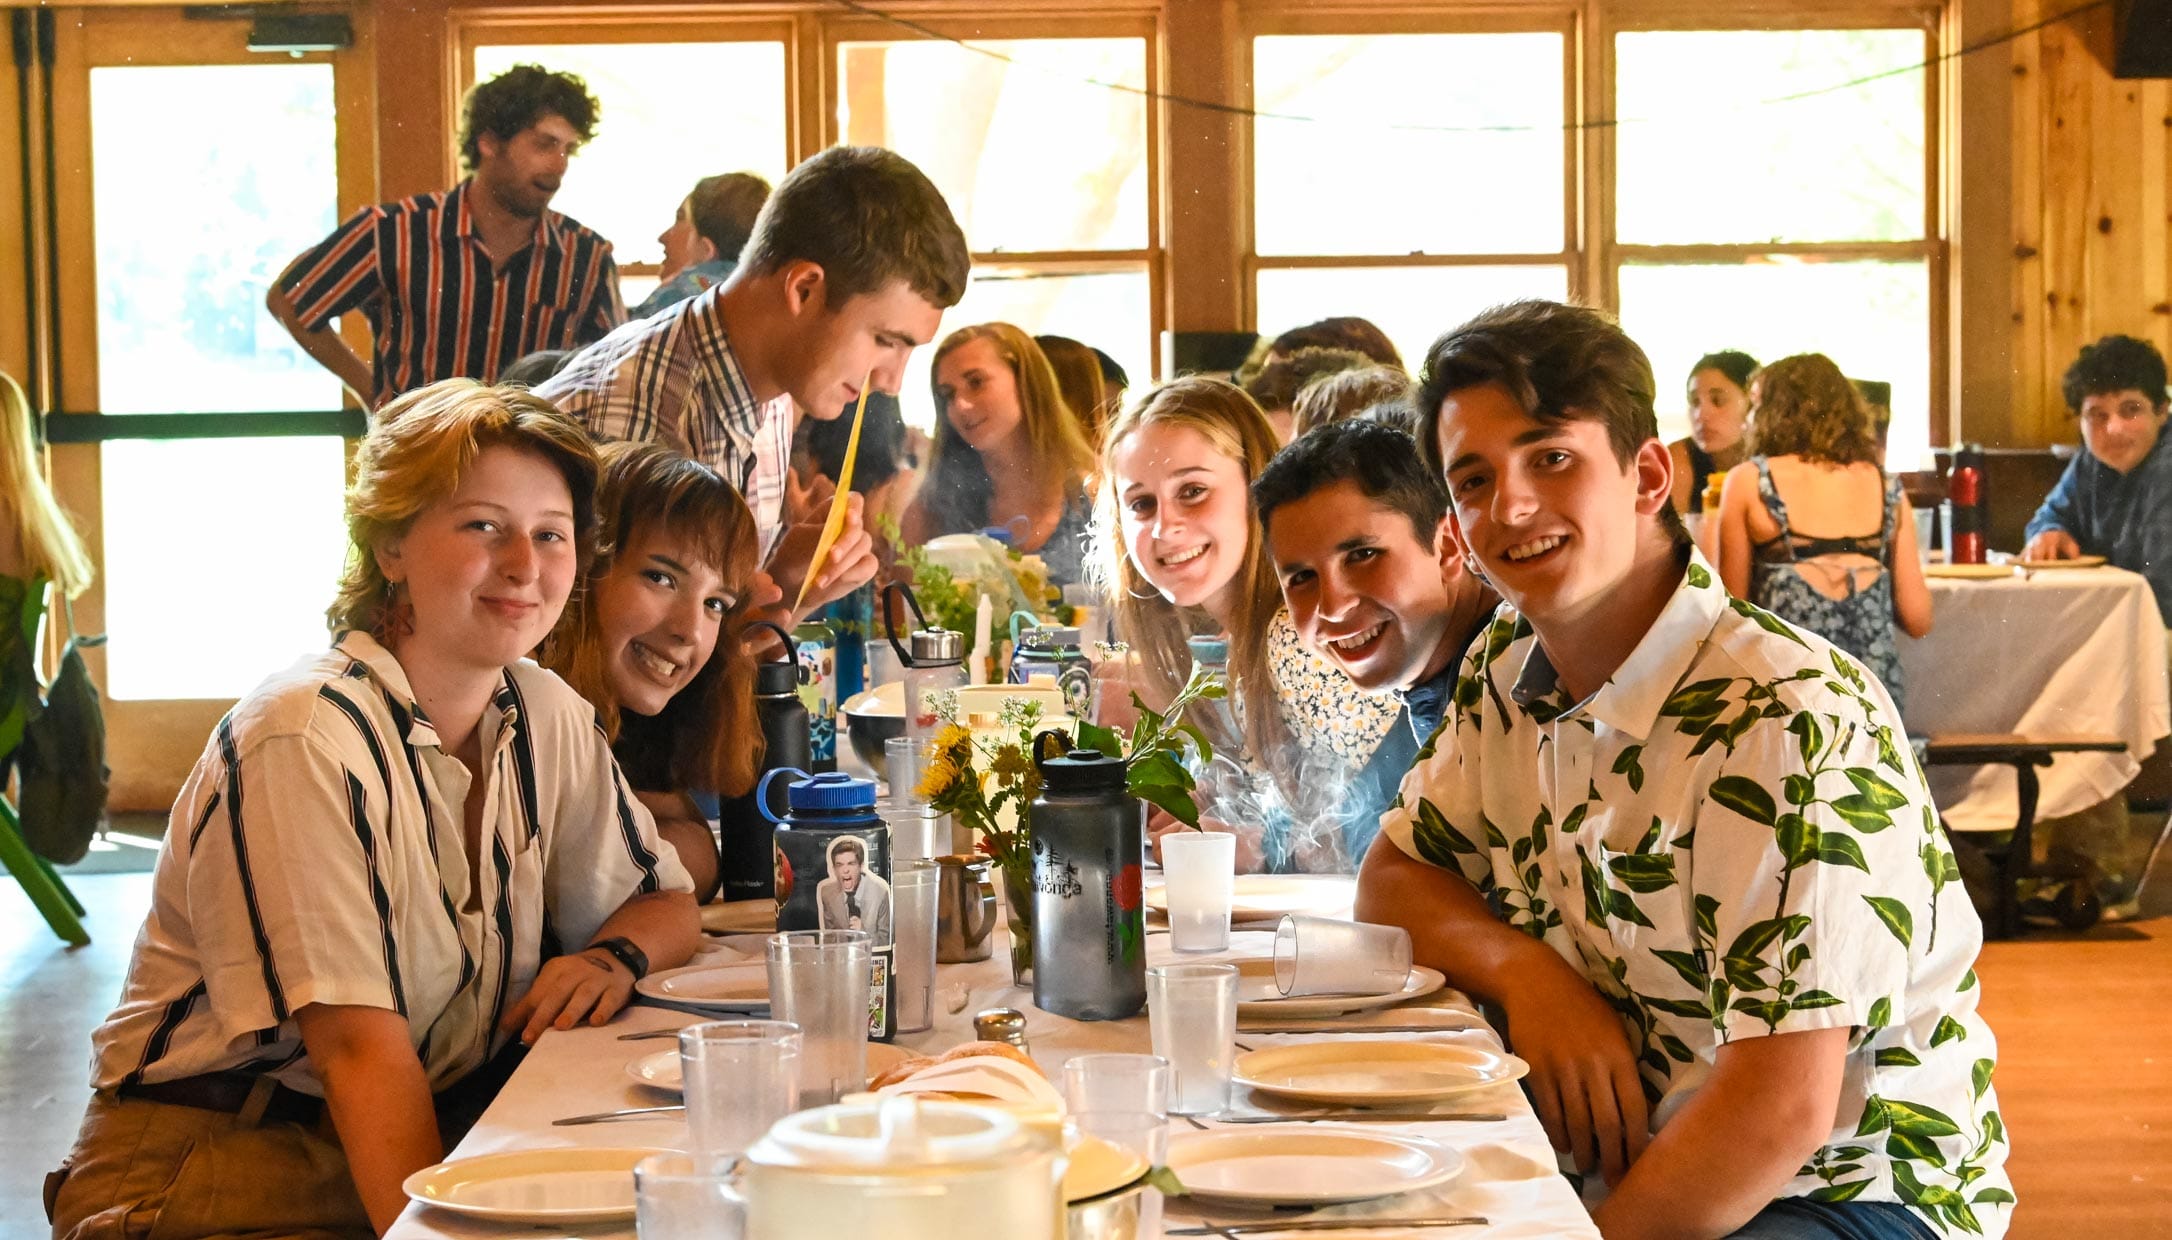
<point x="852" y="262"/>
<point x="460" y="283"/>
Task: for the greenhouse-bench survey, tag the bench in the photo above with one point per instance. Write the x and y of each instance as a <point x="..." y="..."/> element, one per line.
<point x="2024" y="754"/>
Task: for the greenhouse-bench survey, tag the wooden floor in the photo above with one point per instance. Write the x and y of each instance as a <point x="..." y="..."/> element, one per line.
<point x="2084" y="1027"/>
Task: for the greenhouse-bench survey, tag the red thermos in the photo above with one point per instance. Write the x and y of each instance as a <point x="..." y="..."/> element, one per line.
<point x="1965" y="493"/>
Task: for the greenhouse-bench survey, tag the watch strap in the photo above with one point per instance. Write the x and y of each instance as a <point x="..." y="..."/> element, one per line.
<point x="626" y="953"/>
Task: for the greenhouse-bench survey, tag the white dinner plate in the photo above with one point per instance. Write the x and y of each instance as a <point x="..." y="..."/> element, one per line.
<point x="661" y="1070"/>
<point x="561" y="1186"/>
<point x="741" y="986"/>
<point x="2079" y="561"/>
<point x="1258" y="996"/>
<point x="1265" y="897"/>
<point x="1374" y="1073"/>
<point x="1969" y="572"/>
<point x="1307" y="1164"/>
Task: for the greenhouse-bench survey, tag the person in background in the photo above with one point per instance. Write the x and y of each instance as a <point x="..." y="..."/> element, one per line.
<point x="880" y="472"/>
<point x="1343" y="331"/>
<point x="392" y="858"/>
<point x="853" y="260"/>
<point x="460" y="283"/>
<point x="1078" y="377"/>
<point x="652" y="642"/>
<point x="1380" y="392"/>
<point x="1731" y="1032"/>
<point x="701" y="248"/>
<point x="1008" y="451"/>
<point x="38" y="548"/>
<point x="1181" y="553"/>
<point x="2115" y="498"/>
<point x="1114" y="384"/>
<point x="1719" y="412"/>
<point x="1374" y="578"/>
<point x="1274" y="387"/>
<point x="1814" y="467"/>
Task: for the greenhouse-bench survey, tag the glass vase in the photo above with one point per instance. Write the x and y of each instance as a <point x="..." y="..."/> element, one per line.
<point x="1017" y="883"/>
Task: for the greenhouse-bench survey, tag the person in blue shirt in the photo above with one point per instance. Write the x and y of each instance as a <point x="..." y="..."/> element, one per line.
<point x="702" y="245"/>
<point x="1374" y="577"/>
<point x="2115" y="499"/>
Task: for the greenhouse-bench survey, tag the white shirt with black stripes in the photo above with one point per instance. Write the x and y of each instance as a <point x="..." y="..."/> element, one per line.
<point x="315" y="856"/>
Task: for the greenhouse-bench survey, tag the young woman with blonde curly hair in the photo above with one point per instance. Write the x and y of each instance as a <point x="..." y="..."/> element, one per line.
<point x="392" y="859"/>
<point x="1813" y="473"/>
<point x="653" y="643"/>
<point x="1008" y="451"/>
<point x="1182" y="554"/>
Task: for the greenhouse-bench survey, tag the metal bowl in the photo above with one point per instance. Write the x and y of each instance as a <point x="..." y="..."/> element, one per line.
<point x="872" y="718"/>
<point x="1112" y="1216"/>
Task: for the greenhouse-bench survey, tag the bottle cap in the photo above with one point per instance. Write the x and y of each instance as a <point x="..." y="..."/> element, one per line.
<point x="1083" y="770"/>
<point x="832" y="790"/>
<point x="935" y="647"/>
<point x="1211" y="651"/>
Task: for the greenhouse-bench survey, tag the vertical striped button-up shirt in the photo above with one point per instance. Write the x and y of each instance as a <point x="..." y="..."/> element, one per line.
<point x="674" y="378"/>
<point x="316" y="856"/>
<point x="439" y="307"/>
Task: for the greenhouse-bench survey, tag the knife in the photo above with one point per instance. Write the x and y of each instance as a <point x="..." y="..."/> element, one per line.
<point x="1243" y="1027"/>
<point x="648" y="1033"/>
<point x="1325" y="1224"/>
<point x="1378" y="1117"/>
<point x="605" y="1117"/>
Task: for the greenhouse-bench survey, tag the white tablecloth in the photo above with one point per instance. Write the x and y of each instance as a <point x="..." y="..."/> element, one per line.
<point x="2059" y="650"/>
<point x="1510" y="1177"/>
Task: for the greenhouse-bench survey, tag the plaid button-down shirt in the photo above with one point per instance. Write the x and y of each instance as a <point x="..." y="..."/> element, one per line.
<point x="674" y="378"/>
<point x="438" y="306"/>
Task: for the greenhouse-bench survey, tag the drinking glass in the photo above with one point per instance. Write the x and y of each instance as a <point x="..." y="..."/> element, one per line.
<point x="1191" y="1011"/>
<point x="1200" y="872"/>
<point x="739" y="1077"/>
<point x="913" y="889"/>
<point x="686" y="1197"/>
<point x="1329" y="956"/>
<point x="1118" y="1083"/>
<point x="820" y="980"/>
<point x="1144" y="1134"/>
<point x="904" y="760"/>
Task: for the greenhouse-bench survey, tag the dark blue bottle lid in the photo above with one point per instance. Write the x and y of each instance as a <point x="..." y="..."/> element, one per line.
<point x="832" y="791"/>
<point x="1083" y="770"/>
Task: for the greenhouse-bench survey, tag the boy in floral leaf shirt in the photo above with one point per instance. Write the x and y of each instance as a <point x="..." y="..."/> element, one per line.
<point x="1682" y="845"/>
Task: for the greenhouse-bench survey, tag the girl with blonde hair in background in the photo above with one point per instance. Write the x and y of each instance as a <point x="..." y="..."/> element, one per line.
<point x="38" y="546"/>
<point x="1008" y="451"/>
<point x="1182" y="554"/>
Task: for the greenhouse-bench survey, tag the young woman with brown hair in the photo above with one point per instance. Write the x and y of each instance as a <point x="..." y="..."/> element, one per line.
<point x="391" y="859"/>
<point x="652" y="642"/>
<point x="1008" y="451"/>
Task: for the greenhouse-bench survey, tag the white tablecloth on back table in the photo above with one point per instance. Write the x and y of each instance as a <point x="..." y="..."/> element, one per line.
<point x="1510" y="1177"/>
<point x="2065" y="650"/>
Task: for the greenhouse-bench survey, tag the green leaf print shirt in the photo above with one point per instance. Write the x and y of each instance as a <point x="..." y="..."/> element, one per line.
<point x="1730" y="839"/>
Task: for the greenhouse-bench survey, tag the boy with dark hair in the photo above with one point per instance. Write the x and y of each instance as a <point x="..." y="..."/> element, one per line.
<point x="1682" y="845"/>
<point x="459" y="284"/>
<point x="1371" y="571"/>
<point x="2115" y="498"/>
<point x="853" y="260"/>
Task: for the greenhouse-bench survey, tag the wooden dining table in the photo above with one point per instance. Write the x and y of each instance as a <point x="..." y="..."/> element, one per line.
<point x="1510" y="1177"/>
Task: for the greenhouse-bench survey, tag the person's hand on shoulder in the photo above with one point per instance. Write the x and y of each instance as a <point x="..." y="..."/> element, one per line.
<point x="2052" y="544"/>
<point x="1584" y="1080"/>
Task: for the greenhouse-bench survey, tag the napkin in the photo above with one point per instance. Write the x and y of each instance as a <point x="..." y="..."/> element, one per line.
<point x="984" y="1076"/>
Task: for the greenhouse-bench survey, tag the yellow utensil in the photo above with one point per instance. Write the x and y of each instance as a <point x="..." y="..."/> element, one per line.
<point x="835" y="524"/>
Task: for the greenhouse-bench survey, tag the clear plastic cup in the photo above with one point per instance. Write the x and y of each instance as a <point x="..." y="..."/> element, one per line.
<point x="914" y="886"/>
<point x="1199" y="869"/>
<point x="1135" y="1083"/>
<point x="686" y="1197"/>
<point x="1191" y="1011"/>
<point x="738" y="1077"/>
<point x="1329" y="956"/>
<point x="820" y="981"/>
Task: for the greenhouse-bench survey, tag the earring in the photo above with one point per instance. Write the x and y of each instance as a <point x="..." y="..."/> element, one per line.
<point x="395" y="617"/>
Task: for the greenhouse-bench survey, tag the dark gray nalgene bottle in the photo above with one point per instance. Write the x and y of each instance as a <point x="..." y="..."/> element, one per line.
<point x="1089" y="931"/>
<point x="749" y="854"/>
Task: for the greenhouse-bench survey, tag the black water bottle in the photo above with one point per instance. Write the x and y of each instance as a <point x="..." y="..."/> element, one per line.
<point x="749" y="858"/>
<point x="1089" y="933"/>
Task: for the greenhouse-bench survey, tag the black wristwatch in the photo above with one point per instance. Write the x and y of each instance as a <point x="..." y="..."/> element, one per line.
<point x="623" y="950"/>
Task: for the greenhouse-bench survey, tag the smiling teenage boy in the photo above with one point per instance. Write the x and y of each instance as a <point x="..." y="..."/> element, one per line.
<point x="1371" y="571"/>
<point x="1681" y="844"/>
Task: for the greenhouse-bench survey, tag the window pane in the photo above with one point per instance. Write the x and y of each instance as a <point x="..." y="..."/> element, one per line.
<point x="1873" y="319"/>
<point x="1413" y="305"/>
<point x="220" y="555"/>
<point x="670" y="114"/>
<point x="1755" y="136"/>
<point x="1404" y="144"/>
<point x="1038" y="144"/>
<point x="1108" y="310"/>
